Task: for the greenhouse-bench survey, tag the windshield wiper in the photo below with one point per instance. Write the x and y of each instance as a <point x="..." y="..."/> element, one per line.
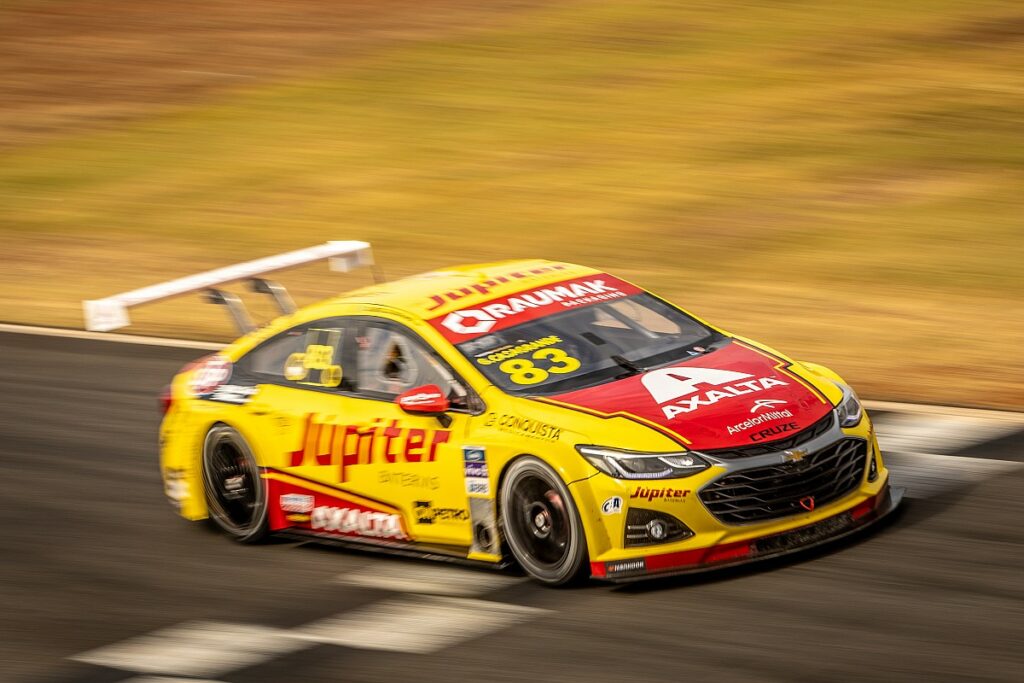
<point x="625" y="363"/>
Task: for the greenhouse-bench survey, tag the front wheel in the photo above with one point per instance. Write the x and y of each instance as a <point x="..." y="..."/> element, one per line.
<point x="235" y="493"/>
<point x="541" y="523"/>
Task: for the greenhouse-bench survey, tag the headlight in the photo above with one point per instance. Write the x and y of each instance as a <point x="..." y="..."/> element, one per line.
<point x="633" y="465"/>
<point x="850" y="410"/>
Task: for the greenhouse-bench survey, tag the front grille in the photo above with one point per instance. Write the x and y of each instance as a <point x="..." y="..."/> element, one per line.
<point x="764" y="493"/>
<point x="816" y="429"/>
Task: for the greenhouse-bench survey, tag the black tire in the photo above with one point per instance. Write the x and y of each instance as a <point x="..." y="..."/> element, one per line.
<point x="541" y="523"/>
<point x="235" y="493"/>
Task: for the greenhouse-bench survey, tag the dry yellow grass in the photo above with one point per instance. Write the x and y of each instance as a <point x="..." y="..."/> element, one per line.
<point x="840" y="182"/>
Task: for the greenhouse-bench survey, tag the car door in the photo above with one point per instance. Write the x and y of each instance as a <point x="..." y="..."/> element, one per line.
<point x="302" y="407"/>
<point x="413" y="461"/>
<point x="342" y="458"/>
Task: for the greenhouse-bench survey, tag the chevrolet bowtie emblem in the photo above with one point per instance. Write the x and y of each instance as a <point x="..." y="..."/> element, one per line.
<point x="795" y="455"/>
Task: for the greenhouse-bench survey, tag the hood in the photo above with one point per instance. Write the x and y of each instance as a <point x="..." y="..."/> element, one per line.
<point x="734" y="396"/>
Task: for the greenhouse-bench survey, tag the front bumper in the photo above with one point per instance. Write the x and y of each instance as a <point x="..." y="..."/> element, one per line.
<point x="826" y="530"/>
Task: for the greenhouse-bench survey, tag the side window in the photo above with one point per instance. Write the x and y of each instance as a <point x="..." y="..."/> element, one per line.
<point x="390" y="362"/>
<point x="269" y="358"/>
<point x="308" y="355"/>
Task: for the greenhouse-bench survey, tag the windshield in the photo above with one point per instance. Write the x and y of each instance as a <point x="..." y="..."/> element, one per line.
<point x="587" y="345"/>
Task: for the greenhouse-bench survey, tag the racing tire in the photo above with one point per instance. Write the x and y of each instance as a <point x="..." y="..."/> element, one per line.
<point x="541" y="523"/>
<point x="236" y="496"/>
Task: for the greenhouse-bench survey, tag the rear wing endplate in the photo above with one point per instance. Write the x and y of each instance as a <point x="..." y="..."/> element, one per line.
<point x="104" y="315"/>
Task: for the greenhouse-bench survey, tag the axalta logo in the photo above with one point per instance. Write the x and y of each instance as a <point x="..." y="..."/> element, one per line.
<point x="361" y="522"/>
<point x="680" y="388"/>
<point x="483" y="319"/>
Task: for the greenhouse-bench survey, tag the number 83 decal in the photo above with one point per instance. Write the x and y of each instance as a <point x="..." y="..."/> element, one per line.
<point x="522" y="371"/>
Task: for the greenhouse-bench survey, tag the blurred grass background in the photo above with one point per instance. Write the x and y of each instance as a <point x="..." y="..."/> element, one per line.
<point x="840" y="180"/>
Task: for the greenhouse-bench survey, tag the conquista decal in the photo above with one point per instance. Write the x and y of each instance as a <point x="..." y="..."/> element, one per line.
<point x="524" y="426"/>
<point x="680" y="390"/>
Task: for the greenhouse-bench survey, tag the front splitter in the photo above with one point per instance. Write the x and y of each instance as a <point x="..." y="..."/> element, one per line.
<point x="858" y="518"/>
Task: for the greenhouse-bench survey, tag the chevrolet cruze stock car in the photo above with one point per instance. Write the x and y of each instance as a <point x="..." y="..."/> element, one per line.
<point x="539" y="412"/>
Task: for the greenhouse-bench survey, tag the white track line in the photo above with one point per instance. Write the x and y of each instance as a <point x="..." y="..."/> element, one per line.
<point x="924" y="409"/>
<point x="938" y="432"/>
<point x="927" y="474"/>
<point x="429" y="579"/>
<point x="419" y="624"/>
<point x="104" y="336"/>
<point x="201" y="648"/>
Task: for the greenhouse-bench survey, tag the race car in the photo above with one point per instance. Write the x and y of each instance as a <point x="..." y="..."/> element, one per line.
<point x="532" y="411"/>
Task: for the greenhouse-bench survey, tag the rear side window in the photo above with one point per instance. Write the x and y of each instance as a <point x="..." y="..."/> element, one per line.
<point x="269" y="359"/>
<point x="308" y="355"/>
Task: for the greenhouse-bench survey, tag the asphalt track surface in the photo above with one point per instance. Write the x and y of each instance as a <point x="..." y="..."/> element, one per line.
<point x="100" y="582"/>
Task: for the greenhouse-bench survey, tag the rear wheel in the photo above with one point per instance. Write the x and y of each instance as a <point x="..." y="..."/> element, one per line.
<point x="235" y="493"/>
<point x="541" y="523"/>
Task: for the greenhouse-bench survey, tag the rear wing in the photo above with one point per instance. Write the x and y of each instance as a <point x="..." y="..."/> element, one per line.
<point x="104" y="315"/>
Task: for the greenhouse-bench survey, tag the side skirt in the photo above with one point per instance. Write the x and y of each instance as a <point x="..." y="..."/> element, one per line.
<point x="437" y="553"/>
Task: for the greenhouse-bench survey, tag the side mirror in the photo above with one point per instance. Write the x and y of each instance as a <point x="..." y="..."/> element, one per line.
<point x="425" y="400"/>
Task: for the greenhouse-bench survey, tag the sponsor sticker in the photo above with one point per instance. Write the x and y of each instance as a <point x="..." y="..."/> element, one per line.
<point x="297" y="502"/>
<point x="478" y="482"/>
<point x="513" y="350"/>
<point x="473" y="454"/>
<point x="209" y="375"/>
<point x="233" y="393"/>
<point x="478" y="487"/>
<point x="476" y="470"/>
<point x="758" y="420"/>
<point x="344" y="445"/>
<point x="766" y="404"/>
<point x="356" y="522"/>
<point x="612" y="506"/>
<point x="523" y="426"/>
<point x="664" y="493"/>
<point x="439" y="300"/>
<point x="531" y="304"/>
<point x="426" y="513"/>
<point x="775" y="430"/>
<point x="681" y="390"/>
<point x="409" y="479"/>
<point x="422" y="398"/>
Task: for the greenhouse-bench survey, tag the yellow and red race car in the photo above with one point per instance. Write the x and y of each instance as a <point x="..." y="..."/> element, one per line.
<point x="542" y="412"/>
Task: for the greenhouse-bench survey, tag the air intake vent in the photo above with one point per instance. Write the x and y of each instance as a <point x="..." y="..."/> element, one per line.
<point x="648" y="527"/>
<point x="764" y="493"/>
